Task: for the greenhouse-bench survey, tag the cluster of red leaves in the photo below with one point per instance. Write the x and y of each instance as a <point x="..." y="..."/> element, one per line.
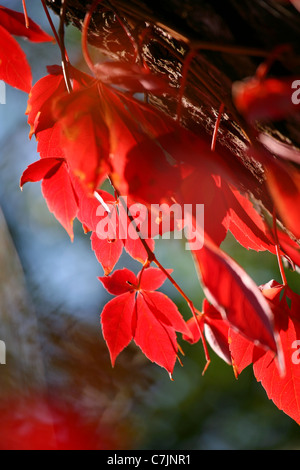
<point x="98" y="130"/>
<point x="14" y="67"/>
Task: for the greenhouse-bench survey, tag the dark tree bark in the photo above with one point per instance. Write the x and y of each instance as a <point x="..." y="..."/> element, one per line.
<point x="173" y="28"/>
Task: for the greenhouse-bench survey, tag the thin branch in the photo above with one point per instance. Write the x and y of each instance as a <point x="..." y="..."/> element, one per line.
<point x="278" y="250"/>
<point x="51" y="22"/>
<point x="61" y="32"/>
<point x="25" y="14"/>
<point x="217" y="126"/>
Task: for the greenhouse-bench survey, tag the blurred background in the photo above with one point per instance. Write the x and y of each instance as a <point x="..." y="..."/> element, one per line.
<point x="58" y="385"/>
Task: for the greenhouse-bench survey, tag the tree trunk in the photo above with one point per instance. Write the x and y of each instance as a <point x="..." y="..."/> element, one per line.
<point x="170" y="28"/>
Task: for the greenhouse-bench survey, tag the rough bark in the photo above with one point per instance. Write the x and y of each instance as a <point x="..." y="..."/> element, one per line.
<point x="173" y="28"/>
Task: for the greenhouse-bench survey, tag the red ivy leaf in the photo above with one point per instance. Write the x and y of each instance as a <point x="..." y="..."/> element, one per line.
<point x="235" y="295"/>
<point x="153" y="279"/>
<point x="14" y="68"/>
<point x="139" y="166"/>
<point x="57" y="189"/>
<point x="120" y="282"/>
<point x="14" y="23"/>
<point x="84" y="136"/>
<point x="40" y="169"/>
<point x="111" y="231"/>
<point x="284" y="184"/>
<point x="40" y="103"/>
<point x="246" y="224"/>
<point x="116" y="320"/>
<point x="149" y="318"/>
<point x="108" y="252"/>
<point x="282" y="388"/>
<point x="156" y="339"/>
<point x="270" y="98"/>
<point x="61" y="199"/>
<point x="214" y="327"/>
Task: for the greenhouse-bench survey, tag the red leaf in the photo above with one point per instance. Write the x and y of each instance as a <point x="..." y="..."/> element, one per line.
<point x="156" y="339"/>
<point x="270" y="98"/>
<point x="40" y="103"/>
<point x="14" y="68"/>
<point x="111" y="231"/>
<point x="84" y="136"/>
<point x="165" y="311"/>
<point x="245" y="223"/>
<point x="49" y="142"/>
<point x="284" y="184"/>
<point x="153" y="279"/>
<point x="116" y="320"/>
<point x="42" y="99"/>
<point x="290" y="248"/>
<point x="282" y="388"/>
<point x="235" y="295"/>
<point x="61" y="199"/>
<point x="91" y="211"/>
<point x="136" y="249"/>
<point x="133" y="230"/>
<point x="211" y="195"/>
<point x="215" y="329"/>
<point x="57" y="189"/>
<point x="243" y="352"/>
<point x="14" y="23"/>
<point x="40" y="169"/>
<point x="140" y="167"/>
<point x="284" y="391"/>
<point x="108" y="252"/>
<point x="149" y="318"/>
<point x="105" y="225"/>
<point x="120" y="282"/>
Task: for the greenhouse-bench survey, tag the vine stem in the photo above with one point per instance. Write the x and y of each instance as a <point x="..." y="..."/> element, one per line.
<point x="64" y="61"/>
<point x="51" y="22"/>
<point x="277" y="246"/>
<point x="264" y="68"/>
<point x="152" y="259"/>
<point x="60" y="41"/>
<point x="25" y="14"/>
<point x="217" y="126"/>
<point x="84" y="36"/>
